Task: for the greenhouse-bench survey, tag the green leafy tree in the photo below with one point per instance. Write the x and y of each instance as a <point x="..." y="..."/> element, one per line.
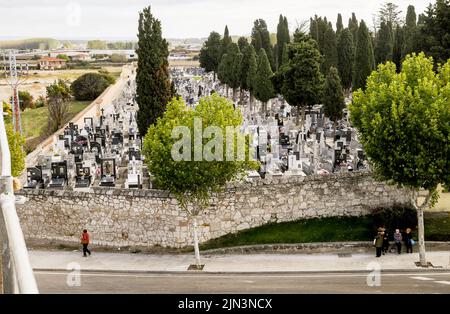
<point x="193" y="180"/>
<point x="16" y="143"/>
<point x="153" y="87"/>
<point x="300" y="78"/>
<point x="346" y="56"/>
<point x="403" y="121"/>
<point x="333" y="98"/>
<point x="63" y="56"/>
<point x="363" y="64"/>
<point x="88" y="86"/>
<point x="384" y="44"/>
<point x="97" y="44"/>
<point x="58" y="96"/>
<point x="264" y="90"/>
<point x="433" y="34"/>
<point x="210" y="53"/>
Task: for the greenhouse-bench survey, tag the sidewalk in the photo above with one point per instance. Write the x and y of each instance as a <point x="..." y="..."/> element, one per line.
<point x="125" y="262"/>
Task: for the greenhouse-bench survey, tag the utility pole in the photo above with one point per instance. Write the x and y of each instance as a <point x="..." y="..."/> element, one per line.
<point x="12" y="77"/>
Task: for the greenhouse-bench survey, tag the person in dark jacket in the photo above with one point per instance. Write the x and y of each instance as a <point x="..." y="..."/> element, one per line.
<point x="385" y="242"/>
<point x="378" y="242"/>
<point x="85" y="243"/>
<point x="398" y="240"/>
<point x="408" y="238"/>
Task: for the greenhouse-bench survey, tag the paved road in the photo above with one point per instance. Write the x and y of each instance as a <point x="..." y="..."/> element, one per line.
<point x="98" y="282"/>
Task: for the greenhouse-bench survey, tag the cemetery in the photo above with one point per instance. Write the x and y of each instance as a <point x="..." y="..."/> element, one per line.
<point x="283" y="147"/>
<point x="105" y="151"/>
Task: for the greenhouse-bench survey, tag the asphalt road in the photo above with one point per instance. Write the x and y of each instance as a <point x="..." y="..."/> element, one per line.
<point x="98" y="282"/>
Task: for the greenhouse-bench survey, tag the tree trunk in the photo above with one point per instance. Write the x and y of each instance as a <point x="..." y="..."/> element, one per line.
<point x="251" y="102"/>
<point x="334" y="130"/>
<point x="421" y="230"/>
<point x="234" y="94"/>
<point x="226" y="86"/>
<point x="298" y="116"/>
<point x="214" y="76"/>
<point x="196" y="248"/>
<point x="420" y="223"/>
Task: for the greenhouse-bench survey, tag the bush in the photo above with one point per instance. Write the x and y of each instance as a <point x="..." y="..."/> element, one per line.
<point x="89" y="86"/>
<point x="40" y="102"/>
<point x="394" y="218"/>
<point x="107" y="76"/>
<point x="26" y="100"/>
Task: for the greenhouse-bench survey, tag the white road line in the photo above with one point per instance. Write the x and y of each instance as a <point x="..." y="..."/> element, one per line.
<point x="443" y="282"/>
<point x="421" y="278"/>
<point x="226" y="276"/>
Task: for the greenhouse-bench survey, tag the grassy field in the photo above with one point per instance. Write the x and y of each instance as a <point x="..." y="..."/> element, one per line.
<point x="322" y="230"/>
<point x="33" y="120"/>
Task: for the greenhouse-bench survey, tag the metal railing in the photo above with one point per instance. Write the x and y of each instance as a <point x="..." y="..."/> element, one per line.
<point x="17" y="273"/>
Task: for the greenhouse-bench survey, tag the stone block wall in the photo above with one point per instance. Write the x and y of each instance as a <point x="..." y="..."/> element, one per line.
<point x="117" y="217"/>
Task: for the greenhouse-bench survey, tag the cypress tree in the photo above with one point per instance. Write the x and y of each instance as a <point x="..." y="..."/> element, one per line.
<point x="353" y="26"/>
<point x="409" y="31"/>
<point x="384" y="44"/>
<point x="313" y="29"/>
<point x="153" y="86"/>
<point x="242" y="43"/>
<point x="226" y="67"/>
<point x="282" y="39"/>
<point x="363" y="57"/>
<point x="329" y="50"/>
<point x="333" y="97"/>
<point x="301" y="81"/>
<point x="210" y="53"/>
<point x="226" y="41"/>
<point x="261" y="39"/>
<point x="397" y="50"/>
<point x="235" y="79"/>
<point x="346" y="56"/>
<point x="264" y="89"/>
<point x="251" y="75"/>
<point x="339" y="25"/>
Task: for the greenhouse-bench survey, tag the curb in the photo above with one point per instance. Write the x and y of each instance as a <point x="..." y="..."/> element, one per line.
<point x="197" y="272"/>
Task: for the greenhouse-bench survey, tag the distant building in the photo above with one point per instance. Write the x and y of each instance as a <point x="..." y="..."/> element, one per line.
<point x="50" y="63"/>
<point x="81" y="57"/>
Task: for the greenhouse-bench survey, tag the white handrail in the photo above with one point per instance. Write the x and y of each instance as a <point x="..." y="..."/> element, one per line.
<point x="19" y="277"/>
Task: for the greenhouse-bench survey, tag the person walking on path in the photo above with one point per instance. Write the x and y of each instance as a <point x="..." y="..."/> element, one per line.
<point x="398" y="240"/>
<point x="408" y="240"/>
<point x="378" y="242"/>
<point x="85" y="243"/>
<point x="385" y="242"/>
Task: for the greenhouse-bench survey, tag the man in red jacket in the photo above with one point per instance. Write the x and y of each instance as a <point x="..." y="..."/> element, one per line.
<point x="85" y="242"/>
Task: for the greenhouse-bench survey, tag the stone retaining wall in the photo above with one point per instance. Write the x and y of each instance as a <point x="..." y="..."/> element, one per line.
<point x="118" y="218"/>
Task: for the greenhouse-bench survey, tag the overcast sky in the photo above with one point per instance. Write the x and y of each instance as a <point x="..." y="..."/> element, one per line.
<point x="180" y="18"/>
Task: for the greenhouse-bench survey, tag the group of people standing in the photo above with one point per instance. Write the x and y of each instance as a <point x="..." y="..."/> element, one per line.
<point x="382" y="241"/>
